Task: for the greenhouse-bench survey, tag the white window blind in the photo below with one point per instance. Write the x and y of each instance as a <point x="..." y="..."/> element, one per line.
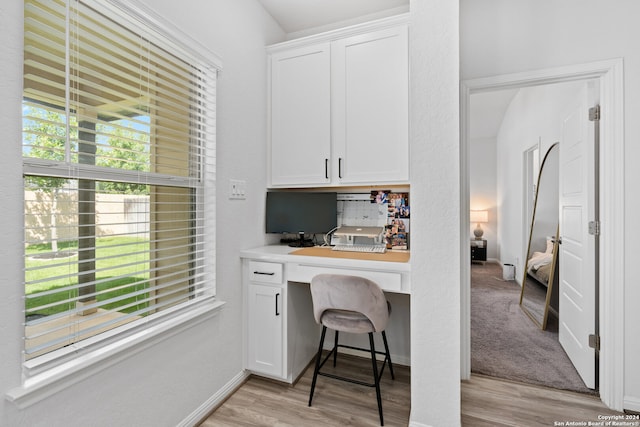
<point x="119" y="173"/>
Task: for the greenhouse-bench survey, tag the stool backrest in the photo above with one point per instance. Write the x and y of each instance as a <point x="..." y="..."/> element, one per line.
<point x="353" y="293"/>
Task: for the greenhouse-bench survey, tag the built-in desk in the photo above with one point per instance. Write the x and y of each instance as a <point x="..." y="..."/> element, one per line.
<point x="280" y="334"/>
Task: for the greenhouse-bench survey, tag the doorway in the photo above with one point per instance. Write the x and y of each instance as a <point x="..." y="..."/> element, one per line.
<point x="609" y="74"/>
<point x="514" y="348"/>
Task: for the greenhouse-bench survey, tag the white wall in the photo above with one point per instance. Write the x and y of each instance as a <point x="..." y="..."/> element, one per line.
<point x="482" y="190"/>
<point x="161" y="385"/>
<point x="435" y="217"/>
<point x="534" y="117"/>
<point x="11" y="208"/>
<point x="503" y="36"/>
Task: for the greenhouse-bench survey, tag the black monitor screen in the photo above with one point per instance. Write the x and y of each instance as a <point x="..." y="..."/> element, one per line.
<point x="300" y="212"/>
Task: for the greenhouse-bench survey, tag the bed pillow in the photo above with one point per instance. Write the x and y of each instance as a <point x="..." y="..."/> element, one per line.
<point x="549" y="246"/>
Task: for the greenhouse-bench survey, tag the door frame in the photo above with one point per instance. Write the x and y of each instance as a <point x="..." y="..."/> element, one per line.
<point x="611" y="253"/>
<point x="531" y="172"/>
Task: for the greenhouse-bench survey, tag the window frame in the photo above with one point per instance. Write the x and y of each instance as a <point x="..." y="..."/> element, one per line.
<point x="48" y="373"/>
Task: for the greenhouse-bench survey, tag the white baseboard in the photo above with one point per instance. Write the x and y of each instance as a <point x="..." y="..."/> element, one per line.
<point x="214" y="401"/>
<point x="415" y="424"/>
<point x="631" y="403"/>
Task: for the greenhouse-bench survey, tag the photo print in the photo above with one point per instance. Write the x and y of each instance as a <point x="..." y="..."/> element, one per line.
<point x="398" y="214"/>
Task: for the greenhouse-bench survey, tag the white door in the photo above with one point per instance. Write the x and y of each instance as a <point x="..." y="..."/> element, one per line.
<point x="577" y="305"/>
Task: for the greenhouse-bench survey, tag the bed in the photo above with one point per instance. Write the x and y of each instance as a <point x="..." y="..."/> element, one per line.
<point x="539" y="268"/>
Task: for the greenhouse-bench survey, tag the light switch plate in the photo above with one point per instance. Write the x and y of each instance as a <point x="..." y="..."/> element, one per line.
<point x="237" y="189"/>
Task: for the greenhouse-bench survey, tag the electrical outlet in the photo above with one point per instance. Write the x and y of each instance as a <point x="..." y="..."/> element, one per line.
<point x="237" y="189"/>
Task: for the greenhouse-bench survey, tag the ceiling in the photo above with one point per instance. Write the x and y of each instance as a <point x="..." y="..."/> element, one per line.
<point x="486" y="111"/>
<point x="295" y="16"/>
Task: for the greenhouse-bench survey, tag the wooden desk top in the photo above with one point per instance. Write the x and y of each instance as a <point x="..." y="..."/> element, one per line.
<point x="323" y="251"/>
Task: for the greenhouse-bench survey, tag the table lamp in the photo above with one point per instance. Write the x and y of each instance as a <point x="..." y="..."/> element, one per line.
<point x="478" y="217"/>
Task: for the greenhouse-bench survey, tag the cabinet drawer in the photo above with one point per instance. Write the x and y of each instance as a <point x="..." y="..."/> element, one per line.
<point x="266" y="272"/>
<point x="388" y="281"/>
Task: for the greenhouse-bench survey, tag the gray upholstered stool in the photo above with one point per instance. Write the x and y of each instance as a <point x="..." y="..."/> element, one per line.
<point x="355" y="305"/>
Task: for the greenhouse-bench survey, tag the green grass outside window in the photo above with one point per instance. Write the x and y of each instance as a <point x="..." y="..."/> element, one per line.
<point x="121" y="270"/>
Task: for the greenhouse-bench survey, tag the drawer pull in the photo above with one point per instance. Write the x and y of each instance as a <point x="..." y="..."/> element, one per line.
<point x="264" y="273"/>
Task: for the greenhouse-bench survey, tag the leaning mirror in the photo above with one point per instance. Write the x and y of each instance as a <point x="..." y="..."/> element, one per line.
<point x="538" y="297"/>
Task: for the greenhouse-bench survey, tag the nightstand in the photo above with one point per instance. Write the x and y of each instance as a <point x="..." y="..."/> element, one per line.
<point x="478" y="250"/>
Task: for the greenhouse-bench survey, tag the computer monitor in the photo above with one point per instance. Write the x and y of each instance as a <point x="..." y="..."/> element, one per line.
<point x="301" y="212"/>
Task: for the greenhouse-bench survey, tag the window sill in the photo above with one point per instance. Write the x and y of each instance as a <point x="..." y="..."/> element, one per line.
<point x="52" y="374"/>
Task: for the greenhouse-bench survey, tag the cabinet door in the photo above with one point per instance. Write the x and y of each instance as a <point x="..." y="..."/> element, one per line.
<point x="370" y="110"/>
<point x="265" y="329"/>
<point x="300" y="116"/>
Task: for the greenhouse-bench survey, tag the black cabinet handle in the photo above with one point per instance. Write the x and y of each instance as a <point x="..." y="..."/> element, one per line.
<point x="326" y="168"/>
<point x="264" y="273"/>
<point x="277" y="311"/>
<point x="340" y="167"/>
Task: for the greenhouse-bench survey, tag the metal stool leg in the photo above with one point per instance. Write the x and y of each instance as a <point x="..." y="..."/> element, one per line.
<point x="317" y="368"/>
<point x="335" y="349"/>
<point x="386" y="348"/>
<point x="376" y="378"/>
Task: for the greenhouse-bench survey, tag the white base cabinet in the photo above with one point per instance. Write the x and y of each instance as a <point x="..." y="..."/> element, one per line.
<point x="266" y="328"/>
<point x="280" y="333"/>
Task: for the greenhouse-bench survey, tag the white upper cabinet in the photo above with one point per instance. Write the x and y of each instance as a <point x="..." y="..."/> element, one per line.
<point x="339" y="108"/>
<point x="370" y="109"/>
<point x="301" y="116"/>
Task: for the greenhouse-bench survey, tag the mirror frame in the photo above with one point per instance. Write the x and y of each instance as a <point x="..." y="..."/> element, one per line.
<point x="542" y="324"/>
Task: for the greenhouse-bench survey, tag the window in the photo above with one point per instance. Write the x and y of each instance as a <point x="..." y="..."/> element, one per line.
<point x="119" y="159"/>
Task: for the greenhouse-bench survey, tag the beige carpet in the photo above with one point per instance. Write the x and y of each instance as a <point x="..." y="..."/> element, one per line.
<point x="504" y="341"/>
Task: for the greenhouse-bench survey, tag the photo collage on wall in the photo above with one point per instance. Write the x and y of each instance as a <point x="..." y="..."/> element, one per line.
<point x="398" y="217"/>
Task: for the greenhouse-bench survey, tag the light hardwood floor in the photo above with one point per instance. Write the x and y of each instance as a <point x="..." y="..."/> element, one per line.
<point x="486" y="402"/>
<point x="262" y="402"/>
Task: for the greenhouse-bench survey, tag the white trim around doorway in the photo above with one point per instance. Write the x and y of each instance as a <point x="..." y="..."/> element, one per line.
<point x="610" y="75"/>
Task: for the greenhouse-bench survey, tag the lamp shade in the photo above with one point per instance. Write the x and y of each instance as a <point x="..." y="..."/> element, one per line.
<point x="479" y="216"/>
